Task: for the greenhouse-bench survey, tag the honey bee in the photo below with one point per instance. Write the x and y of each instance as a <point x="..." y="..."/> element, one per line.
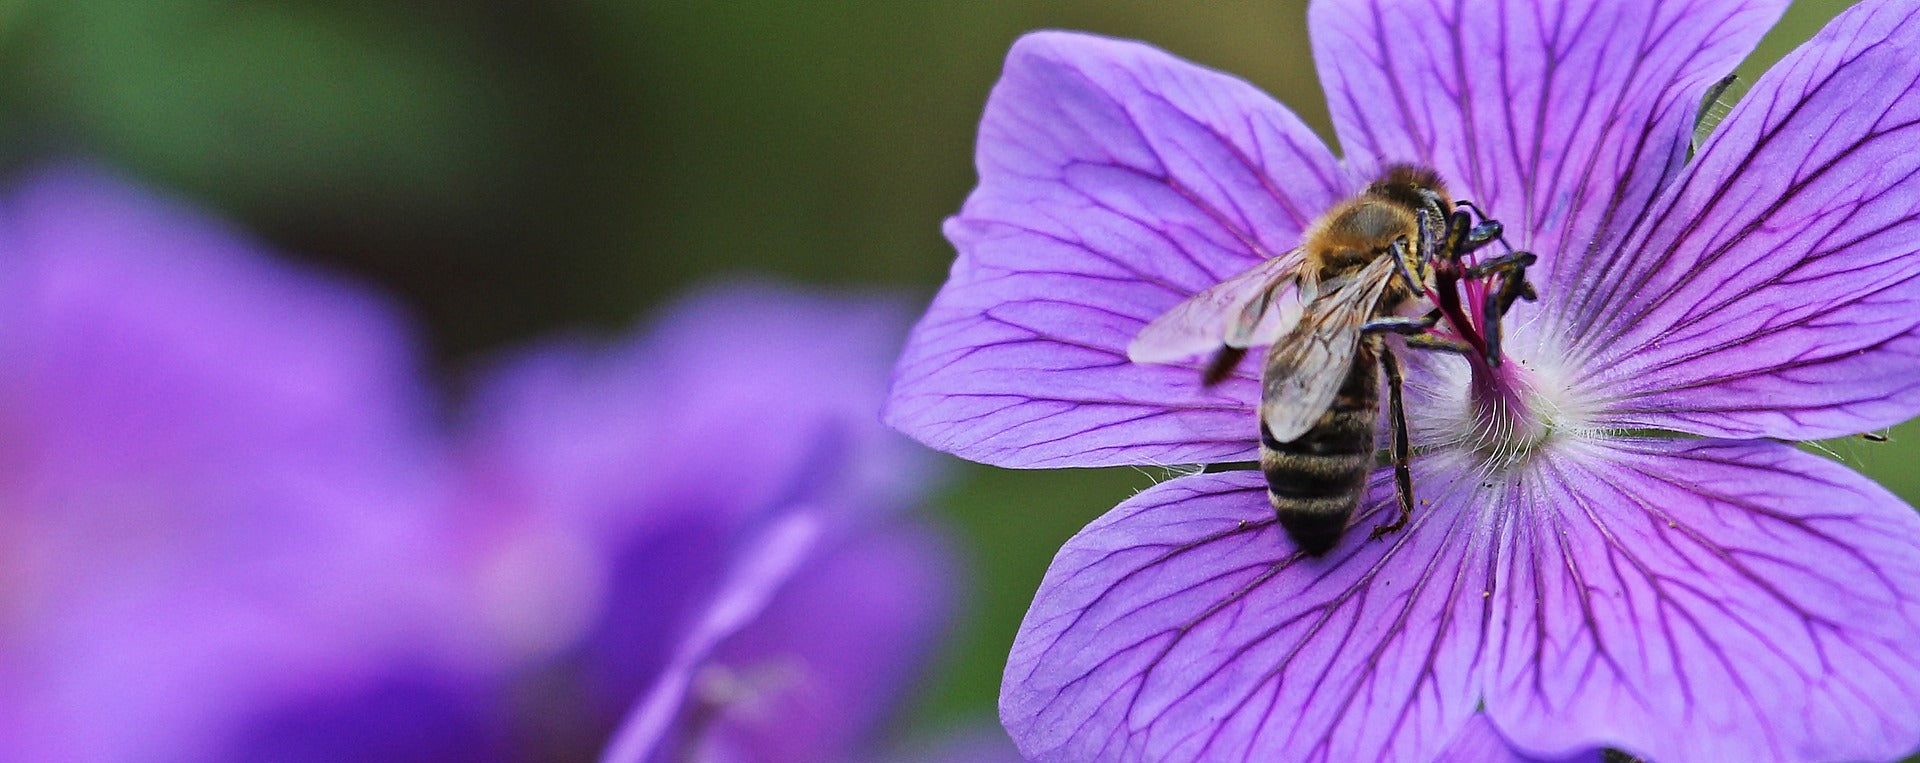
<point x="1324" y="308"/>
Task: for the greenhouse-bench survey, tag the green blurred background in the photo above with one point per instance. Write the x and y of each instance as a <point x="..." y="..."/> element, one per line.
<point x="511" y="169"/>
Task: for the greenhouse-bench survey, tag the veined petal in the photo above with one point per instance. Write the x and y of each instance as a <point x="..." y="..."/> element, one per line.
<point x="1706" y="600"/>
<point x="1183" y="626"/>
<point x="1115" y="182"/>
<point x="1561" y="118"/>
<point x="1776" y="295"/>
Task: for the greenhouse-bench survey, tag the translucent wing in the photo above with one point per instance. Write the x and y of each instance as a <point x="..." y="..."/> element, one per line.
<point x="1248" y="310"/>
<point x="1305" y="368"/>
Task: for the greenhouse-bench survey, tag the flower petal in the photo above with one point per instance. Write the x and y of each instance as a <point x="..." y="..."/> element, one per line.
<point x="220" y="477"/>
<point x="803" y="650"/>
<point x="1115" y="182"/>
<point x="1561" y="118"/>
<point x="1480" y="742"/>
<point x="415" y="714"/>
<point x="761" y="568"/>
<point x="838" y="648"/>
<point x="1690" y="600"/>
<point x="1182" y="626"/>
<point x="731" y="368"/>
<point x="1776" y="295"/>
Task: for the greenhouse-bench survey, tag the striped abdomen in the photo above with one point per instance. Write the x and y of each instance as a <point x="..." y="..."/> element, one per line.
<point x="1316" y="480"/>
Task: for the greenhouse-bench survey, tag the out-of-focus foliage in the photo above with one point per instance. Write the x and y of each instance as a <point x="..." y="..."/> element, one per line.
<point x="508" y="168"/>
<point x="267" y="106"/>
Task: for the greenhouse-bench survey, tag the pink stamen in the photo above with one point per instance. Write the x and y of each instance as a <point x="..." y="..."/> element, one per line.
<point x="1501" y="395"/>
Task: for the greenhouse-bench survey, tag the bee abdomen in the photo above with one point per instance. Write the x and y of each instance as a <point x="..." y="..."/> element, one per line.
<point x="1315" y="481"/>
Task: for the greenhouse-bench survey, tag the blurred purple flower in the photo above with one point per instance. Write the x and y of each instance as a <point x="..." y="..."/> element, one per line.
<point x="217" y="482"/>
<point x="619" y="548"/>
<point x="232" y="531"/>
<point x="1572" y="580"/>
<point x="765" y="594"/>
<point x="707" y="520"/>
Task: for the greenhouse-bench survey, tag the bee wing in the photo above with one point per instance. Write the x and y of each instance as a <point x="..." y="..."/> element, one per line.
<point x="1305" y="370"/>
<point x="1253" y="308"/>
<point x="1264" y="320"/>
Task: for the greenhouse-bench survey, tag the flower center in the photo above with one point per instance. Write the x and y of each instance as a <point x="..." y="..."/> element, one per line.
<point x="1508" y="416"/>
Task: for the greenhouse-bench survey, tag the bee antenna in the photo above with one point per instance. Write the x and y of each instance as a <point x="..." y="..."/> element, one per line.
<point x="1472" y="206"/>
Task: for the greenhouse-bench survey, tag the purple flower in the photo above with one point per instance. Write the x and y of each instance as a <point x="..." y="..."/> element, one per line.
<point x="217" y="480"/>
<point x="1573" y="578"/>
<point x="620" y="550"/>
<point x="765" y="595"/>
<point x="230" y="529"/>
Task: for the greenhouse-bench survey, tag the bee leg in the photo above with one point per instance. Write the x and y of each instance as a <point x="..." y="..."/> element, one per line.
<point x="1511" y="262"/>
<point x="1404" y="265"/>
<point x="1435" y="226"/>
<point x="1512" y="268"/>
<point x="1483" y="234"/>
<point x="1395" y="324"/>
<point x="1442" y="344"/>
<point x="1466" y="236"/>
<point x="1415" y="331"/>
<point x="1491" y="330"/>
<point x="1516" y="288"/>
<point x="1222" y="365"/>
<point x="1402" y="474"/>
<point x="1513" y="289"/>
<point x="1510" y="289"/>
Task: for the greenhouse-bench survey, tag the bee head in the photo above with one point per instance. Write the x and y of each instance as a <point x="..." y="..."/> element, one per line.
<point x="1414" y="187"/>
